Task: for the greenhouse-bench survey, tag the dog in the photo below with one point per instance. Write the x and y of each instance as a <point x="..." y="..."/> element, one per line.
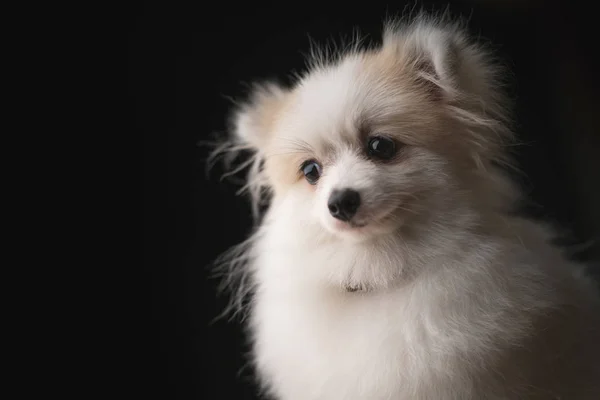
<point x="389" y="262"/>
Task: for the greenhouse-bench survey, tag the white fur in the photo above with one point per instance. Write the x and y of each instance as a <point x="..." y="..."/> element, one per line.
<point x="458" y="298"/>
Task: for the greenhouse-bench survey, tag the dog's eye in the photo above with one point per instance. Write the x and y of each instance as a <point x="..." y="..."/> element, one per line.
<point x="311" y="170"/>
<point x="381" y="147"/>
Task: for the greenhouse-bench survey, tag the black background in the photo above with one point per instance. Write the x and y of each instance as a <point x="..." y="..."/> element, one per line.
<point x="184" y="61"/>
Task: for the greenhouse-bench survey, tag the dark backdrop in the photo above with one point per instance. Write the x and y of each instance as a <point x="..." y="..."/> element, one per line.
<point x="184" y="61"/>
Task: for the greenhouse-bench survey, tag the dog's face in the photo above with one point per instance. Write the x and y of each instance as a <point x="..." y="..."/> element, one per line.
<point x="354" y="139"/>
<point x="377" y="139"/>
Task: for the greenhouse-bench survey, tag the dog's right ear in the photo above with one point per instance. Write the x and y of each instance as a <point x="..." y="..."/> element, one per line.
<point x="253" y="121"/>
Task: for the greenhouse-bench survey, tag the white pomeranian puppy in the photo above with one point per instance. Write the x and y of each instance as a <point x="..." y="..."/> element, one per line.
<point x="389" y="263"/>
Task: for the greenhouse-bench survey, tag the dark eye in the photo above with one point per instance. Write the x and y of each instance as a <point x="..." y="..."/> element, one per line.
<point x="311" y="170"/>
<point x="381" y="147"/>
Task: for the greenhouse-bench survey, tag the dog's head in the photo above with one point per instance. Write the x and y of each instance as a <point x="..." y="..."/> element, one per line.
<point x="379" y="139"/>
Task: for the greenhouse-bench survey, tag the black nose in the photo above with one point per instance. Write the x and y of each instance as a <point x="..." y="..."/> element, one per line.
<point x="343" y="203"/>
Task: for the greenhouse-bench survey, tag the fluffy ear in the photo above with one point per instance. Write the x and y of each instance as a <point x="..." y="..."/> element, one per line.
<point x="460" y="74"/>
<point x="253" y="121"/>
<point x="444" y="58"/>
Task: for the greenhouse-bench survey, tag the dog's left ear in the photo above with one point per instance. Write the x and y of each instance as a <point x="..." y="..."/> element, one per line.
<point x="443" y="58"/>
<point x="458" y="73"/>
<point x="253" y="121"/>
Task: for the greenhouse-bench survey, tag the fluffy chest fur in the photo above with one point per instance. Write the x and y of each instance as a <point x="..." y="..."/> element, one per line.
<point x="334" y="347"/>
<point x="440" y="336"/>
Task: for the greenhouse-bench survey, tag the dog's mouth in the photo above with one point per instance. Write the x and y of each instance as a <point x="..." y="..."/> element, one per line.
<point x="348" y="226"/>
<point x="366" y="225"/>
<point x="354" y="224"/>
